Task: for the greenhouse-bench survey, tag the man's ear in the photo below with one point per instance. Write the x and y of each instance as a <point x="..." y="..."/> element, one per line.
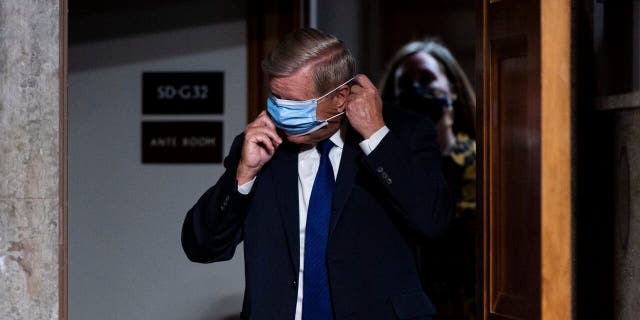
<point x="340" y="97"/>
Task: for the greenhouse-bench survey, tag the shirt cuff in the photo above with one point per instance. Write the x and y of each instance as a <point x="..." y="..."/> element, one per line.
<point x="370" y="144"/>
<point x="246" y="187"/>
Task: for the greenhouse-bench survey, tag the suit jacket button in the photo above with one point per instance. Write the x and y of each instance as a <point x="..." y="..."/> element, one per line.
<point x="380" y="169"/>
<point x="294" y="284"/>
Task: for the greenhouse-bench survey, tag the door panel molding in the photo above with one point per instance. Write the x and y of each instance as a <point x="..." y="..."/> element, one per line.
<point x="513" y="142"/>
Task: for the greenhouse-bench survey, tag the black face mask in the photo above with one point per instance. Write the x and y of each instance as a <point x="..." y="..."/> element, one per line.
<point x="424" y="101"/>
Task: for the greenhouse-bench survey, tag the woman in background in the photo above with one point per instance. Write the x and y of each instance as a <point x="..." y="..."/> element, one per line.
<point x="423" y="77"/>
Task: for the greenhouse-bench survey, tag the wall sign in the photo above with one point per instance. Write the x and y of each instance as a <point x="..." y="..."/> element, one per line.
<point x="182" y="142"/>
<point x="182" y="92"/>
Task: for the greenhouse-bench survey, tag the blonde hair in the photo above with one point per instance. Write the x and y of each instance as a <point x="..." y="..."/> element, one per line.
<point x="332" y="62"/>
<point x="464" y="106"/>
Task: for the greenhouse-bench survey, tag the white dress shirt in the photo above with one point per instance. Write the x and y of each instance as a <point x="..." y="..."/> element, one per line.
<point x="308" y="163"/>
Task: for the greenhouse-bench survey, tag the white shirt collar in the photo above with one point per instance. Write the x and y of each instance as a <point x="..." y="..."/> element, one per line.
<point x="337" y="138"/>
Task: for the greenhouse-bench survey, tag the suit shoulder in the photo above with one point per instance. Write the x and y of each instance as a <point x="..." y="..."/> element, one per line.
<point x="406" y="122"/>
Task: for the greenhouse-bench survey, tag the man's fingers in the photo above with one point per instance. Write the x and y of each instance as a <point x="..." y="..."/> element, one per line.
<point x="358" y="94"/>
<point x="265" y="131"/>
<point x="263" y="120"/>
<point x="264" y="141"/>
<point x="364" y="81"/>
<point x="266" y="120"/>
<point x="363" y="87"/>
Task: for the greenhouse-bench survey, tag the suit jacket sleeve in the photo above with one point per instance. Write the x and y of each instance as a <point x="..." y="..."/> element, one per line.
<point x="213" y="227"/>
<point x="406" y="164"/>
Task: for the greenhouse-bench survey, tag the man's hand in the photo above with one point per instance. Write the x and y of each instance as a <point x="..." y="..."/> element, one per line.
<point x="260" y="143"/>
<point x="364" y="107"/>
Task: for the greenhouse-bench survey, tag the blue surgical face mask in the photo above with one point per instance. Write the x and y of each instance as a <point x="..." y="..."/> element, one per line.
<point x="297" y="118"/>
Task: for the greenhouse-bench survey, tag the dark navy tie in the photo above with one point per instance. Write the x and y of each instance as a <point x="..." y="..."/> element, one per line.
<point x="316" y="301"/>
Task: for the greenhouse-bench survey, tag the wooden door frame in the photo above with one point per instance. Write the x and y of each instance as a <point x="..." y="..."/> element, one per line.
<point x="267" y="22"/>
<point x="556" y="182"/>
<point x="556" y="247"/>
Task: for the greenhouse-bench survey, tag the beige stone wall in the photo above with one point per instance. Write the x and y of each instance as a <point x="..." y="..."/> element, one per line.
<point x="29" y="163"/>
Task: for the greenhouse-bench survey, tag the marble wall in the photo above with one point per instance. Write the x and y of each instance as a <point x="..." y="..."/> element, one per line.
<point x="627" y="215"/>
<point x="29" y="163"/>
<point x="626" y="264"/>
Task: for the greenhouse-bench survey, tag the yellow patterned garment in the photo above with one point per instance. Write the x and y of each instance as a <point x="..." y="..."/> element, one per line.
<point x="464" y="155"/>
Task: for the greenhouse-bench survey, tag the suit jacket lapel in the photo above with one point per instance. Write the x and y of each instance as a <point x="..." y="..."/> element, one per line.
<point x="284" y="173"/>
<point x="349" y="163"/>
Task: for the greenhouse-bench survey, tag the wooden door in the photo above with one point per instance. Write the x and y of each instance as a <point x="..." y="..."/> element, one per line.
<point x="524" y="158"/>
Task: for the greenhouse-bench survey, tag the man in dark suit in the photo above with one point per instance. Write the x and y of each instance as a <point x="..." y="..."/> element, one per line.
<point x="329" y="193"/>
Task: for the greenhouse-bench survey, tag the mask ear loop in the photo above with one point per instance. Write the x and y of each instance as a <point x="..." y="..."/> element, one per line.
<point x="336" y="88"/>
<point x="333" y="117"/>
<point x="328" y="93"/>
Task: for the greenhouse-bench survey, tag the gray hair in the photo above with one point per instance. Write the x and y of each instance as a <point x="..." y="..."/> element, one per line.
<point x="332" y="62"/>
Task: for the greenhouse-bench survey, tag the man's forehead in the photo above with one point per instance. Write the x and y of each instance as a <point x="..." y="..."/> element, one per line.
<point x="293" y="87"/>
